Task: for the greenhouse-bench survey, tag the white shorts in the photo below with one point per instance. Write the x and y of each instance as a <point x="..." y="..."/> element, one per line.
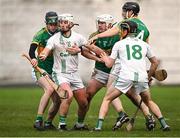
<point x="116" y="69"/>
<point x="125" y="85"/>
<point x="100" y="76"/>
<point x="35" y="75"/>
<point x="73" y="79"/>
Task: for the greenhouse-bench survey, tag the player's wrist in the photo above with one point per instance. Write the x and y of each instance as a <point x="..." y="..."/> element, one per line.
<point x="97" y="36"/>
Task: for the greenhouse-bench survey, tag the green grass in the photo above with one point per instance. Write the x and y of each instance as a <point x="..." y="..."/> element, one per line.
<point x="18" y="107"/>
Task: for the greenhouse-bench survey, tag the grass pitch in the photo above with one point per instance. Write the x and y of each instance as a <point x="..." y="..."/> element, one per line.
<point x="18" y="107"/>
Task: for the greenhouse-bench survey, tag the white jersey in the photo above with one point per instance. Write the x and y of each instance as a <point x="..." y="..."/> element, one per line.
<point x="131" y="53"/>
<point x="63" y="61"/>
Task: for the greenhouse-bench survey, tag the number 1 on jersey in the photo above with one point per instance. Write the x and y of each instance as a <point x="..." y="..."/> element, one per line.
<point x="136" y="54"/>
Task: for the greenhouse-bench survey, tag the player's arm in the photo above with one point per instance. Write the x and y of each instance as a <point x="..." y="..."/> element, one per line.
<point x="88" y="54"/>
<point x="110" y="32"/>
<point x="74" y="49"/>
<point x="94" y="49"/>
<point x="43" y="55"/>
<point x="32" y="55"/>
<point x="109" y="62"/>
<point x="153" y="67"/>
<point x="147" y="40"/>
<point x="153" y="60"/>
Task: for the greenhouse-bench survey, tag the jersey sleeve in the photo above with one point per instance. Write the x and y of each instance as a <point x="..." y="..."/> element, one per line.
<point x="36" y="39"/>
<point x="150" y="53"/>
<point x="82" y="41"/>
<point x="114" y="53"/>
<point x="50" y="43"/>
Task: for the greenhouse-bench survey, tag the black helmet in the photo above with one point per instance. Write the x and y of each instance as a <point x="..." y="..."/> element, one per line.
<point x="51" y="17"/>
<point x="130" y="26"/>
<point x="131" y="6"/>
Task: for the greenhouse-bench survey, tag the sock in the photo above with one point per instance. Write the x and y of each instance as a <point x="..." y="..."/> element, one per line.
<point x="48" y="122"/>
<point x="80" y="120"/>
<point x="162" y="121"/>
<point x="39" y="118"/>
<point x="147" y="117"/>
<point x="62" y="120"/>
<point x="99" y="123"/>
<point x="121" y="114"/>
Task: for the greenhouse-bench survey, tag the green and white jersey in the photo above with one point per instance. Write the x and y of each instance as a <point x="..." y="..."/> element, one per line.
<point x="132" y="53"/>
<point x="41" y="38"/>
<point x="142" y="33"/>
<point x="63" y="61"/>
<point x="142" y="30"/>
<point x="105" y="44"/>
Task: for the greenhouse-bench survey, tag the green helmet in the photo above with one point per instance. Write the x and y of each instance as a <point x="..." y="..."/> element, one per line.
<point x="51" y="17"/>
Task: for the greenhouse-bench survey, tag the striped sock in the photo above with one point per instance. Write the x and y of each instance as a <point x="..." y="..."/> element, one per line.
<point x="99" y="123"/>
<point x="62" y="120"/>
<point x="162" y="121"/>
<point x="121" y="114"/>
<point x="39" y="117"/>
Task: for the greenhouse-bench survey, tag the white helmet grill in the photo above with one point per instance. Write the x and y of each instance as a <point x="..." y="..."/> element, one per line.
<point x="107" y="18"/>
<point x="66" y="17"/>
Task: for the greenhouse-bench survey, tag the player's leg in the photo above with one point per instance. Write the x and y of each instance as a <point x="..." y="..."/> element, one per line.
<point x="146" y="97"/>
<point x="80" y="95"/>
<point x="116" y="103"/>
<point x="53" y="109"/>
<point x="92" y="88"/>
<point x="98" y="80"/>
<point x="63" y="81"/>
<point x="64" y="106"/>
<point x="81" y="98"/>
<point x="48" y="90"/>
<point x="136" y="98"/>
<point x="111" y="95"/>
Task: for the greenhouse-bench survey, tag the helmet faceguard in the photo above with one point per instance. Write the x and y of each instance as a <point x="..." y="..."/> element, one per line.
<point x="66" y="17"/>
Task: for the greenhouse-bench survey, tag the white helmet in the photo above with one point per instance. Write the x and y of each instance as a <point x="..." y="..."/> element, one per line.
<point x="67" y="17"/>
<point x="107" y="18"/>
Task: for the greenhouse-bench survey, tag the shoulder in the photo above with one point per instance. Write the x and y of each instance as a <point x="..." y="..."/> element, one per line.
<point x="41" y="32"/>
<point x="121" y="42"/>
<point x="77" y="35"/>
<point x="93" y="34"/>
<point x="56" y="36"/>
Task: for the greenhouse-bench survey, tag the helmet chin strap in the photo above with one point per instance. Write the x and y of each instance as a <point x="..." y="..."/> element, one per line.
<point x="69" y="28"/>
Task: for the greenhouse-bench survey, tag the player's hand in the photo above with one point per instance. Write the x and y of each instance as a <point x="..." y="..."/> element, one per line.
<point x="99" y="60"/>
<point x="103" y="57"/>
<point x="91" y="40"/>
<point x="34" y="62"/>
<point x="150" y="81"/>
<point x="42" y="56"/>
<point x="73" y="50"/>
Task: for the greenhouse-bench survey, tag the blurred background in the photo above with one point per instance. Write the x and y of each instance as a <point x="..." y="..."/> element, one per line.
<point x="21" y="19"/>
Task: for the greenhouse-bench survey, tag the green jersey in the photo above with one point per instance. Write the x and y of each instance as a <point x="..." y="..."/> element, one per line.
<point x="142" y="31"/>
<point x="105" y="44"/>
<point x="40" y="39"/>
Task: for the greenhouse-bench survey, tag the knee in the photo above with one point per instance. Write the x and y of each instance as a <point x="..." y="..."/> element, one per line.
<point x="83" y="104"/>
<point x="56" y="103"/>
<point x="89" y="97"/>
<point x="49" y="90"/>
<point x="68" y="100"/>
